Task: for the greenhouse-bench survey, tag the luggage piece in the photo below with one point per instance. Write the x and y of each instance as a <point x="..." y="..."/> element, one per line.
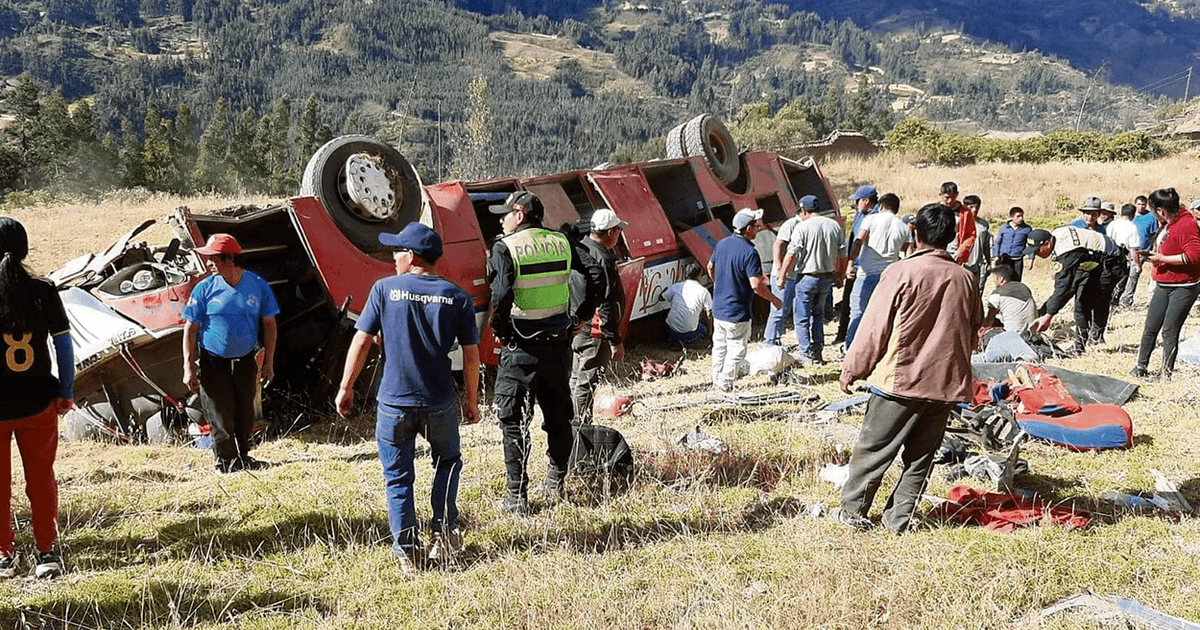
<point x="600" y="450"/>
<point x="1097" y="426"/>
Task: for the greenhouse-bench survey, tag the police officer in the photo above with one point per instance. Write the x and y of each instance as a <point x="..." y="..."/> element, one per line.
<point x="529" y="270"/>
<point x="1086" y="266"/>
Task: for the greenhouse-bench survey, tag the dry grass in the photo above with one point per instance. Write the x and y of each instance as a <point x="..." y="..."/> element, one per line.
<point x="154" y="539"/>
<point x="1037" y="189"/>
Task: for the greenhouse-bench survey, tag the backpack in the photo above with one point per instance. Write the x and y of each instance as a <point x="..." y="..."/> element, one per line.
<point x="599" y="450"/>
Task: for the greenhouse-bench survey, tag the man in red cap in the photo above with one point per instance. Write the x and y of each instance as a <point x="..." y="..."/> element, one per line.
<point x="220" y="337"/>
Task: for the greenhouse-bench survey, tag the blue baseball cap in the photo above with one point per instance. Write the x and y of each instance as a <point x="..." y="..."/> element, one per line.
<point x="864" y="192"/>
<point x="808" y="202"/>
<point x="417" y="238"/>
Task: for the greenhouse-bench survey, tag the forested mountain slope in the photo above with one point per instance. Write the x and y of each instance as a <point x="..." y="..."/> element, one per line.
<point x="550" y="86"/>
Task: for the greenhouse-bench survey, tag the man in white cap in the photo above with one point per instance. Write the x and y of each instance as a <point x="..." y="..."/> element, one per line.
<point x="817" y="246"/>
<point x="737" y="274"/>
<point x="599" y="340"/>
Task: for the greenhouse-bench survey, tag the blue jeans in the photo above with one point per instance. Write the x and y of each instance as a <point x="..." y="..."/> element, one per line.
<point x="396" y="429"/>
<point x="859" y="297"/>
<point x="689" y="337"/>
<point x="778" y="316"/>
<point x="810" y="313"/>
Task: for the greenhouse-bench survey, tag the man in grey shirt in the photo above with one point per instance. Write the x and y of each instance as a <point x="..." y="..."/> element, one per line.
<point x="817" y="246"/>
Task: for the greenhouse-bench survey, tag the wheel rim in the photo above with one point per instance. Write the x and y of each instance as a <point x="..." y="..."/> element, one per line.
<point x="366" y="189"/>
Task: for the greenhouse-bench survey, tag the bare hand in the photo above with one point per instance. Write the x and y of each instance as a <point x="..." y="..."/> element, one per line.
<point x="345" y="402"/>
<point x="1041" y="324"/>
<point x="852" y="273"/>
<point x="63" y="405"/>
<point x="618" y="352"/>
<point x="470" y="413"/>
<point x="266" y="374"/>
<point x="845" y="383"/>
<point x="189" y="378"/>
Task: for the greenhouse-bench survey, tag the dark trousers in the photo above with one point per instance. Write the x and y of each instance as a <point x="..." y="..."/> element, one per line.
<point x="1114" y="272"/>
<point x="529" y="371"/>
<point x="1169" y="307"/>
<point x="227" y="388"/>
<point x="843" y="308"/>
<point x="917" y="427"/>
<point x="1088" y="298"/>
<point x="590" y="356"/>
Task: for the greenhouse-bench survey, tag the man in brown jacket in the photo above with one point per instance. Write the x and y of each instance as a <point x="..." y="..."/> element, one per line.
<point x="914" y="344"/>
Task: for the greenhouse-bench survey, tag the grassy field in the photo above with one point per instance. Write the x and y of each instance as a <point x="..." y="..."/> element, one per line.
<point x="153" y="538"/>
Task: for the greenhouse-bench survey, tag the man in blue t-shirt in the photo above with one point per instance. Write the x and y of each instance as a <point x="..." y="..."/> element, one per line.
<point x="421" y="317"/>
<point x="220" y="335"/>
<point x="737" y="274"/>
<point x="1147" y="226"/>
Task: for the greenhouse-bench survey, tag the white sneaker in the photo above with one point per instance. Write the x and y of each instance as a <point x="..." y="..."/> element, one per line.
<point x="48" y="565"/>
<point x="8" y="567"/>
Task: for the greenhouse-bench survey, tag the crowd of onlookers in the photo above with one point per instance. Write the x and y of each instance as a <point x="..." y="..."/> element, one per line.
<point x="912" y="307"/>
<point x="1098" y="261"/>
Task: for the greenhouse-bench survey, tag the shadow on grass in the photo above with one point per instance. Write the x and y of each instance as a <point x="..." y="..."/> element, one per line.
<point x="154" y="602"/>
<point x="619" y="532"/>
<point x="213" y="539"/>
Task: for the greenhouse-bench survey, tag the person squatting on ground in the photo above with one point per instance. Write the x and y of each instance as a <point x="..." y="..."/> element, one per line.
<point x="737" y="274"/>
<point x="691" y="307"/>
<point x="220" y="335"/>
<point x="31" y="318"/>
<point x="915" y="344"/>
<point x="865" y="201"/>
<point x="1009" y="248"/>
<point x="529" y="272"/>
<point x="420" y="317"/>
<point x="1124" y="232"/>
<point x="816" y="249"/>
<point x="1176" y="273"/>
<point x="1082" y="258"/>
<point x="599" y="341"/>
<point x="882" y="238"/>
<point x="778" y="317"/>
<point x="1011" y="300"/>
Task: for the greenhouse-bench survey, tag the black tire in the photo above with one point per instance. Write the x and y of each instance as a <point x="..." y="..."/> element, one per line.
<point x="325" y="179"/>
<point x="707" y="136"/>
<point x="675" y="145"/>
<point x="167" y="426"/>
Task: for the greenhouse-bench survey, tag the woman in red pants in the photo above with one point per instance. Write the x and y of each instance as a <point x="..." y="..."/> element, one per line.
<point x="30" y="313"/>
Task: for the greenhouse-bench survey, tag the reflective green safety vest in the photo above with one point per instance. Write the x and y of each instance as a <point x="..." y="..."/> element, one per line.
<point x="542" y="259"/>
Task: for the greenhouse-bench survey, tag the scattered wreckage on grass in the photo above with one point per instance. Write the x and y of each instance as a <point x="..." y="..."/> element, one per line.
<point x="320" y="253"/>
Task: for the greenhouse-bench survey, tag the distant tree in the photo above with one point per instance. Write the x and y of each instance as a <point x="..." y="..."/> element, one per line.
<point x="183" y="147"/>
<point x="279" y="149"/>
<point x="308" y="128"/>
<point x="25" y="105"/>
<point x="472" y="159"/>
<point x="212" y="169"/>
<point x="323" y="136"/>
<point x="133" y="165"/>
<point x="51" y="146"/>
<point x="161" y="173"/>
<point x="246" y="161"/>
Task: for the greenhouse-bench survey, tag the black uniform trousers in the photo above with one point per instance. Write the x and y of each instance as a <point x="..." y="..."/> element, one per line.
<point x="529" y="370"/>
